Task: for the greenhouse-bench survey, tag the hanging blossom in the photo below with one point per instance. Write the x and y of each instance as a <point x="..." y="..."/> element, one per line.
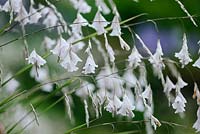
<point x="90" y="64"/>
<point x="42" y="77"/>
<point x="34" y="15"/>
<point x="148" y="103"/>
<point x="78" y="23"/>
<point x="129" y="78"/>
<point x="102" y="5"/>
<point x="157" y="61"/>
<point x="183" y="55"/>
<point x="179" y="103"/>
<point x="12" y="85"/>
<point x="109" y="49"/>
<point x="81" y="6"/>
<point x="69" y="59"/>
<point x="14" y="5"/>
<point x="36" y="59"/>
<point x="22" y="15"/>
<point x="116" y="31"/>
<point x="134" y="58"/>
<point x="168" y="86"/>
<point x="99" y="23"/>
<point x="48" y="42"/>
<point x="113" y="104"/>
<point x="126" y="107"/>
<point x="85" y="89"/>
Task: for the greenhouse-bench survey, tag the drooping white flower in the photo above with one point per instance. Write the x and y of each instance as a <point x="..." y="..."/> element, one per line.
<point x="123" y="44"/>
<point x="78" y="23"/>
<point x="180" y="83"/>
<point x="130" y="78"/>
<point x="179" y="103"/>
<point x="126" y="108"/>
<point x="147" y="96"/>
<point x="156" y="59"/>
<point x="143" y="76"/>
<point x="99" y="23"/>
<point x="197" y="123"/>
<point x="109" y="49"/>
<point x="41" y="75"/>
<point x="90" y="64"/>
<point x="12" y="85"/>
<point x="85" y="89"/>
<point x="168" y="86"/>
<point x="36" y="59"/>
<point x="22" y="16"/>
<point x="48" y="42"/>
<point x="60" y="48"/>
<point x="102" y="5"/>
<point x="15" y="5"/>
<point x="82" y="6"/>
<point x="116" y="29"/>
<point x="113" y="104"/>
<point x="34" y="15"/>
<point x="134" y="58"/>
<point x="50" y="19"/>
<point x="197" y="63"/>
<point x="183" y="55"/>
<point x="70" y="61"/>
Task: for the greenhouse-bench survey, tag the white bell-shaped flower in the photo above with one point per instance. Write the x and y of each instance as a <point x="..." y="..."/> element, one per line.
<point x="102" y="5"/>
<point x="147" y="96"/>
<point x="183" y="55"/>
<point x="197" y="123"/>
<point x="15" y="5"/>
<point x="61" y="48"/>
<point x="197" y="63"/>
<point x="99" y="23"/>
<point x="70" y="61"/>
<point x="85" y="89"/>
<point x="168" y="86"/>
<point x="78" y="23"/>
<point x="22" y="16"/>
<point x="129" y="78"/>
<point x="50" y="19"/>
<point x="34" y="15"/>
<point x="113" y="104"/>
<point x="180" y="83"/>
<point x="179" y="103"/>
<point x="116" y="29"/>
<point x="48" y="42"/>
<point x="82" y="6"/>
<point x="36" y="59"/>
<point x="156" y="59"/>
<point x="90" y="64"/>
<point x="134" y="58"/>
<point x="12" y="85"/>
<point x="126" y="107"/>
